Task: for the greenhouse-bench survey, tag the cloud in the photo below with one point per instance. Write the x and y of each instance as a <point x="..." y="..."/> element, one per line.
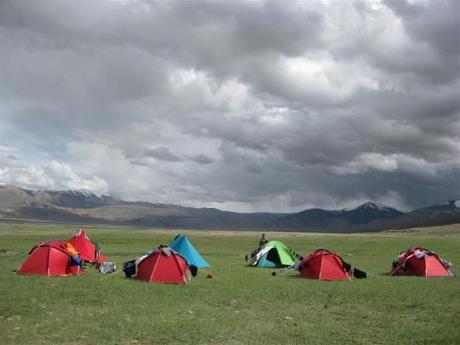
<point x="202" y="159"/>
<point x="257" y="106"/>
<point x="368" y="161"/>
<point x="440" y="31"/>
<point x="53" y="175"/>
<point x="163" y="154"/>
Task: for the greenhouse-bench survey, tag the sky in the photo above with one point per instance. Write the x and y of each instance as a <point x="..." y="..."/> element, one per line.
<point x="246" y="106"/>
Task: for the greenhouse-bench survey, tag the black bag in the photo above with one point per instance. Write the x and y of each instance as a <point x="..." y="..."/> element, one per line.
<point x="193" y="270"/>
<point x="129" y="267"/>
<point x="359" y="274"/>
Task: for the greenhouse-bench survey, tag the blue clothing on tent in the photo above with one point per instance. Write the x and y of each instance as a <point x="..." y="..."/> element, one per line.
<point x="184" y="247"/>
<point x="75" y="260"/>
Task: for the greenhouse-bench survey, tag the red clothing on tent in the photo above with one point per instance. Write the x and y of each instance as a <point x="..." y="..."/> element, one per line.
<point x="163" y="266"/>
<point x="324" y="265"/>
<point x="52" y="259"/>
<point x="85" y="247"/>
<point x="419" y="261"/>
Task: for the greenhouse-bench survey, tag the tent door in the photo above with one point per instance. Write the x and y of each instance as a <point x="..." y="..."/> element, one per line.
<point x="273" y="256"/>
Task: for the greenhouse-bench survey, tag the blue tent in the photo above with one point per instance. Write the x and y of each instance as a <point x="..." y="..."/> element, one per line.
<point x="184" y="247"/>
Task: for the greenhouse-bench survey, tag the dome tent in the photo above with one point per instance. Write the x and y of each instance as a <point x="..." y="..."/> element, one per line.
<point x="51" y="258"/>
<point x="273" y="254"/>
<point x="164" y="266"/>
<point x="324" y="264"/>
<point x="423" y="262"/>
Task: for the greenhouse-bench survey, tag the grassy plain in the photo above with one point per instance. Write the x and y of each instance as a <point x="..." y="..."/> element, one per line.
<point x="241" y="305"/>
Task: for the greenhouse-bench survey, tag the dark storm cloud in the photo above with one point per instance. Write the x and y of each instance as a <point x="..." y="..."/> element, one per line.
<point x="435" y="22"/>
<point x="434" y="29"/>
<point x="264" y="105"/>
<point x="202" y="159"/>
<point x="162" y="154"/>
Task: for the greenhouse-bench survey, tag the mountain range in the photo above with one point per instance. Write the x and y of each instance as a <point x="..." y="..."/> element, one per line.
<point x="87" y="208"/>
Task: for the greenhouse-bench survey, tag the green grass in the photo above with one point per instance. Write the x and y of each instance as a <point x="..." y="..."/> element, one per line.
<point x="241" y="305"/>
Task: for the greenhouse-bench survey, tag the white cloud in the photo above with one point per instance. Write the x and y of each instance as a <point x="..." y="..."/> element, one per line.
<point x="324" y="77"/>
<point x="53" y="176"/>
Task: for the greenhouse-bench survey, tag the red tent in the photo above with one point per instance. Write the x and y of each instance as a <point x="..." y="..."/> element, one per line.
<point x="163" y="266"/>
<point x="50" y="258"/>
<point x="85" y="247"/>
<point x="324" y="265"/>
<point x="418" y="261"/>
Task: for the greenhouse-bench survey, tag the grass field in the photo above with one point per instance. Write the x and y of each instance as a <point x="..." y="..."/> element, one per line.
<point x="241" y="305"/>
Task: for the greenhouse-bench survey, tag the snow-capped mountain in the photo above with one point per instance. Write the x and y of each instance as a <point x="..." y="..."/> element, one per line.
<point x="370" y="211"/>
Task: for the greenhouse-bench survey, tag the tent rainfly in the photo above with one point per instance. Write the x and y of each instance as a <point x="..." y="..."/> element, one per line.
<point x="88" y="251"/>
<point x="184" y="247"/>
<point x="51" y="258"/>
<point x="324" y="264"/>
<point x="418" y="261"/>
<point x="273" y="254"/>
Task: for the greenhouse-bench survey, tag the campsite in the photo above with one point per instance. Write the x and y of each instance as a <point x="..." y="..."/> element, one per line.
<point x="240" y="304"/>
<point x="229" y="172"/>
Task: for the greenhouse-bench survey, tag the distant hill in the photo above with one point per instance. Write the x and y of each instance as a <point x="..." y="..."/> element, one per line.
<point x="87" y="208"/>
<point x="440" y="214"/>
<point x="367" y="217"/>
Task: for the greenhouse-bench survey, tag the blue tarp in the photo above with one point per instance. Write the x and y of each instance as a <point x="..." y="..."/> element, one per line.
<point x="184" y="247"/>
